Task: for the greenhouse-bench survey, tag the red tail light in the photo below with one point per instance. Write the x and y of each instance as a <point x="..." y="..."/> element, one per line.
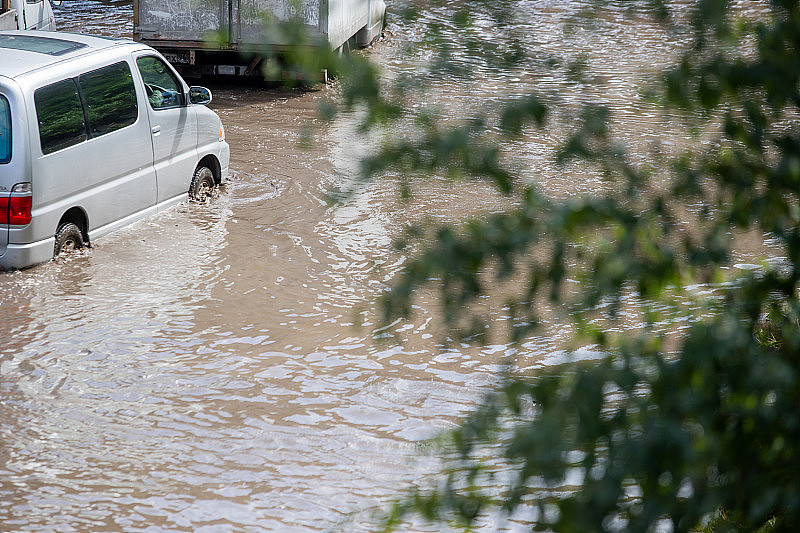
<point x="16" y="209"/>
<point x="19" y="210"/>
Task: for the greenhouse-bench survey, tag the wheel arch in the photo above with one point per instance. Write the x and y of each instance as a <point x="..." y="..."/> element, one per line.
<point x="77" y="216"/>
<point x="212" y="163"/>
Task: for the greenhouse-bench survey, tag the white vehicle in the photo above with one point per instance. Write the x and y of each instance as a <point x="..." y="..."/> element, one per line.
<point x="95" y="134"/>
<point x="27" y="15"/>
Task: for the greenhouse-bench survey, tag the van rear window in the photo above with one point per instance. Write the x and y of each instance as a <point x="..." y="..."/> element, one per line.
<point x="109" y="97"/>
<point x="5" y="130"/>
<point x="60" y="115"/>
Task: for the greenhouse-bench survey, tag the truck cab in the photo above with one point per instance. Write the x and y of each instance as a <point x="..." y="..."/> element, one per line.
<point x="26" y="15"/>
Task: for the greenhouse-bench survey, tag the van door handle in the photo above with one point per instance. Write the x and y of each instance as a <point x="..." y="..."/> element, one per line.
<point x="156" y="130"/>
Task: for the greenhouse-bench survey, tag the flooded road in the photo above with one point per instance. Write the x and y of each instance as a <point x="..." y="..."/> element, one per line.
<point x="214" y="368"/>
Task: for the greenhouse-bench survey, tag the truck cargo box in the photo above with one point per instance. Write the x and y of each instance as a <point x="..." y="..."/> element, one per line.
<point x="226" y="36"/>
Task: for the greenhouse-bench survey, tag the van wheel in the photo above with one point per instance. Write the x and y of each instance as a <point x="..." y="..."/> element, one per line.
<point x="68" y="239"/>
<point x="202" y="186"/>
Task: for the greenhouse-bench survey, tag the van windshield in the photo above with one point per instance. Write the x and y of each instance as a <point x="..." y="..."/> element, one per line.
<point x="5" y="131"/>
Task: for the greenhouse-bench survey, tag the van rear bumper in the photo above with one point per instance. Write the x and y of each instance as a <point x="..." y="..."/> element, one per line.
<point x="25" y="255"/>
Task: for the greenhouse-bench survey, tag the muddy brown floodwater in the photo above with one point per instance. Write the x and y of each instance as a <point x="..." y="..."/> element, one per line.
<point x="204" y="370"/>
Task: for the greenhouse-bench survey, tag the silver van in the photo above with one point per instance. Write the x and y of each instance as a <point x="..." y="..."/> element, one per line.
<point x="95" y="134"/>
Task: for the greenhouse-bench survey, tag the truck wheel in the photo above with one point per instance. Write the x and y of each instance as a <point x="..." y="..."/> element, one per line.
<point x="202" y="186"/>
<point x="68" y="239"/>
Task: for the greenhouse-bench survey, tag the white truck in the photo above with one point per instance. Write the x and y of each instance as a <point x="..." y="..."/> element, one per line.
<point x="27" y="15"/>
<point x="181" y="29"/>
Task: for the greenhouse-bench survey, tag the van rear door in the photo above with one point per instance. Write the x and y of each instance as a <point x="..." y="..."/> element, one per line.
<point x="5" y="178"/>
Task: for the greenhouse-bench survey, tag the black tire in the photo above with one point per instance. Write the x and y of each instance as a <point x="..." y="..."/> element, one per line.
<point x="202" y="187"/>
<point x="69" y="238"/>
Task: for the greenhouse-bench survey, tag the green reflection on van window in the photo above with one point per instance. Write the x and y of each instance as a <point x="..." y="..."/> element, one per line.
<point x="110" y="98"/>
<point x="60" y="115"/>
<point x="163" y="88"/>
<point x="5" y="130"/>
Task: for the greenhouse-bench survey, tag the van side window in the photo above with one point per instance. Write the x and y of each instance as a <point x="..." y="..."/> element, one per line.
<point x="110" y="98"/>
<point x="164" y="91"/>
<point x="60" y="116"/>
<point x="5" y="130"/>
